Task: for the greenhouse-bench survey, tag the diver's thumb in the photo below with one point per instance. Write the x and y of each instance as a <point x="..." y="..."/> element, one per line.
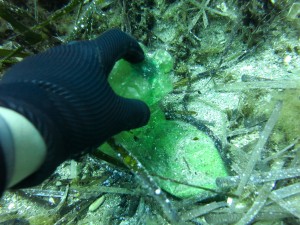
<point x="134" y="113"/>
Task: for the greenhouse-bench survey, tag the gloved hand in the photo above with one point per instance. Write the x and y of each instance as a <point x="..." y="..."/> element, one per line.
<point x="65" y="94"/>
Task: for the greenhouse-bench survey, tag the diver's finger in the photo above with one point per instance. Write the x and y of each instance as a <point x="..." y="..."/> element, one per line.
<point x="113" y="45"/>
<point x="133" y="113"/>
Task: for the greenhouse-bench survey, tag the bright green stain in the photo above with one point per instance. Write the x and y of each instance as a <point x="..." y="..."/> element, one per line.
<point x="171" y="149"/>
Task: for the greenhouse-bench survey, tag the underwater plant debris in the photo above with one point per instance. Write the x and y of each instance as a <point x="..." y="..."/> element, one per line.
<point x="229" y="77"/>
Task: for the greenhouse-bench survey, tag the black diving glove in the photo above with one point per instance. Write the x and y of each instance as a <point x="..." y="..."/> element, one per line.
<point x="64" y="93"/>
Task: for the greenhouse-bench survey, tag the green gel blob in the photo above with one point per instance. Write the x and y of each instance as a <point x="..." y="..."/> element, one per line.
<point x="171" y="149"/>
<point x="148" y="81"/>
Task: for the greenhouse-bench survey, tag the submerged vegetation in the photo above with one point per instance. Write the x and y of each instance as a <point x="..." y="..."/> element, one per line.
<point x="236" y="77"/>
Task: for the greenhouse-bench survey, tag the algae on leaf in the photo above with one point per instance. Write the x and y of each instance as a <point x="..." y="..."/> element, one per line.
<point x="178" y="151"/>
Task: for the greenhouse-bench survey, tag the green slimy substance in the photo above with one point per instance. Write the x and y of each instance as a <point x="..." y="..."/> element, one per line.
<point x="148" y="81"/>
<point x="171" y="149"/>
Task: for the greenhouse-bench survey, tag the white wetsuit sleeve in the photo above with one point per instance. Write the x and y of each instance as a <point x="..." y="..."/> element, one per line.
<point x="23" y="147"/>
